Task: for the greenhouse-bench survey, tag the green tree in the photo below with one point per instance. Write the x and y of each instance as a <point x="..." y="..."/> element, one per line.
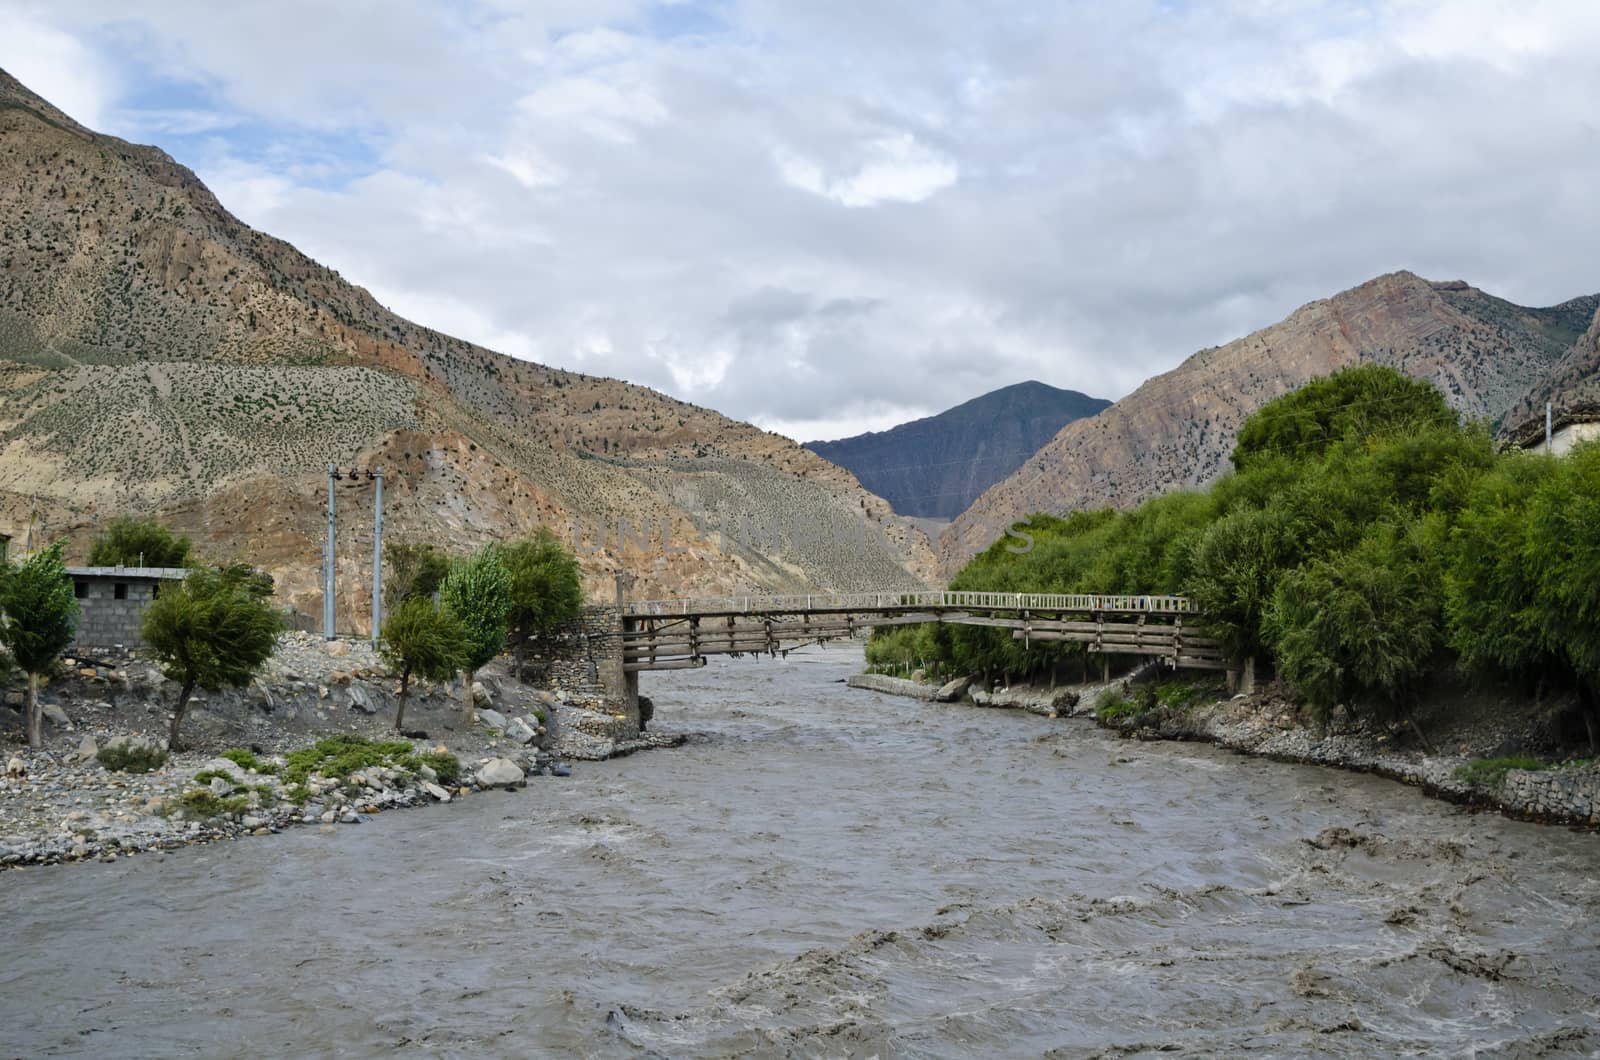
<point x="478" y="592"/>
<point x="215" y="629"/>
<point x="138" y="542"/>
<point x="546" y="591"/>
<point x="1236" y="565"/>
<point x="415" y="569"/>
<point x="1561" y="555"/>
<point x="38" y="618"/>
<point x="1355" y="402"/>
<point x="1363" y="623"/>
<point x="422" y="639"/>
<point x="1490" y="608"/>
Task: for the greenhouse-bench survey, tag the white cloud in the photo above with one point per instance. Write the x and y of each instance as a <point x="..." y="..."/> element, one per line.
<point x="58" y="67"/>
<point x="895" y="169"/>
<point x="823" y="216"/>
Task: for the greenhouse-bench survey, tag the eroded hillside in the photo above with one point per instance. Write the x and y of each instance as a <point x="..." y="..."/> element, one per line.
<point x="158" y="354"/>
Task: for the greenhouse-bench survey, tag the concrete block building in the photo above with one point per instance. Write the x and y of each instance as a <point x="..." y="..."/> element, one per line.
<point x="111" y="602"/>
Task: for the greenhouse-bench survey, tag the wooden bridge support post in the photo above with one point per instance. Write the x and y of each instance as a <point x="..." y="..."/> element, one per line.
<point x="621" y="687"/>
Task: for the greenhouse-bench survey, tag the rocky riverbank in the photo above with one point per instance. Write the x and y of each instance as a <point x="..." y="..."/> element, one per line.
<point x="1475" y="771"/>
<point x="311" y="742"/>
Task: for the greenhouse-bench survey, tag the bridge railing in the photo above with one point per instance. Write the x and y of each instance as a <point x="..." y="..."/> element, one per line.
<point x="914" y="600"/>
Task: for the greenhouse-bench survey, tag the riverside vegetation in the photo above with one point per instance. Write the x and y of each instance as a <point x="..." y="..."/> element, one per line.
<point x="1366" y="546"/>
<point x="214" y="633"/>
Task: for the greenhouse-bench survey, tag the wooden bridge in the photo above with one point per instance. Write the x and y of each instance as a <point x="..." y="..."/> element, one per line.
<point x="680" y="634"/>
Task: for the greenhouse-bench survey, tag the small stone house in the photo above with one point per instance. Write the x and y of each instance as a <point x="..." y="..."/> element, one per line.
<point x="111" y="602"/>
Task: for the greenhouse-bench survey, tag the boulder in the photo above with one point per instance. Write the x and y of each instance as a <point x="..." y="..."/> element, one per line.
<point x="87" y="748"/>
<point x="522" y="730"/>
<point x="499" y="772"/>
<point x="338" y="649"/>
<point x="361" y="699"/>
<point x="494" y="719"/>
<point x="480" y="695"/>
<point x="54" y="715"/>
<point x="1064" y="701"/>
<point x="436" y="791"/>
<point x="952" y="691"/>
<point x="16" y="767"/>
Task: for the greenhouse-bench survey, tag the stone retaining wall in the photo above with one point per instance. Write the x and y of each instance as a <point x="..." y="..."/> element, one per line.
<point x="894" y="686"/>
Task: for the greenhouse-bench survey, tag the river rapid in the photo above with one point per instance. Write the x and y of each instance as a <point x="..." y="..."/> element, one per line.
<point x="828" y="872"/>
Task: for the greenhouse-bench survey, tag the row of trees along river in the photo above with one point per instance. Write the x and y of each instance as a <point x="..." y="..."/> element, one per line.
<point x="1364" y="539"/>
<point x="449" y="614"/>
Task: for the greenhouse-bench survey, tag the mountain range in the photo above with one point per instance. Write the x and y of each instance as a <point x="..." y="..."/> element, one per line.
<point x="159" y="355"/>
<point x="935" y="467"/>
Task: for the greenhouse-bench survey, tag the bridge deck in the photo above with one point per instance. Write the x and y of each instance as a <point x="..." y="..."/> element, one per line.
<point x="675" y="634"/>
<point x="921" y="600"/>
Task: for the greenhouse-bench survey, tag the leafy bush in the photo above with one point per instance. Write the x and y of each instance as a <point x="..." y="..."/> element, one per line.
<point x="339" y="756"/>
<point x="247" y="760"/>
<point x="138" y="542"/>
<point x="201" y="803"/>
<point x="131" y="756"/>
<point x="1491" y="772"/>
<point x="444" y="764"/>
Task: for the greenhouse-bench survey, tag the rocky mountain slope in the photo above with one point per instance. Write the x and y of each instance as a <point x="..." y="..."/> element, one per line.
<point x="1177" y="428"/>
<point x="935" y="467"/>
<point x="1572" y="386"/>
<point x="157" y="354"/>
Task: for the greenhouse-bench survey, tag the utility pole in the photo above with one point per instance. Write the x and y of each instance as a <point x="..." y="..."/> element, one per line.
<point x="328" y="564"/>
<point x="377" y="553"/>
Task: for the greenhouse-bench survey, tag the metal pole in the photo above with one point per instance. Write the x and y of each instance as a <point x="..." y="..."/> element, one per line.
<point x="377" y="556"/>
<point x="327" y="570"/>
<point x="1547" y="424"/>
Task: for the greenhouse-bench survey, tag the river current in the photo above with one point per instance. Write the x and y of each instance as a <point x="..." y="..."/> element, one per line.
<point x="828" y="872"/>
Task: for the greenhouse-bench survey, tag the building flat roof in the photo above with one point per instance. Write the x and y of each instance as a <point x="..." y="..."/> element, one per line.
<point x="151" y="573"/>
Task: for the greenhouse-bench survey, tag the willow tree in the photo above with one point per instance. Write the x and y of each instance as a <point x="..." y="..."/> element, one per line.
<point x="422" y="639"/>
<point x="38" y="619"/>
<point x="546" y="591"/>
<point x="478" y="592"/>
<point x="213" y="630"/>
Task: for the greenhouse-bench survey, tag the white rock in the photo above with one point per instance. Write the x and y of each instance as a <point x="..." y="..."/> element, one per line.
<point x="436" y="791"/>
<point x="522" y="732"/>
<point x="493" y="718"/>
<point x="16" y="767"/>
<point x="87" y="748"/>
<point x="498" y="772"/>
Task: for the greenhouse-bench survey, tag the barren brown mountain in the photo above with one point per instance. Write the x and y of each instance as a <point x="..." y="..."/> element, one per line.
<point x="1177" y="429"/>
<point x="157" y="354"/>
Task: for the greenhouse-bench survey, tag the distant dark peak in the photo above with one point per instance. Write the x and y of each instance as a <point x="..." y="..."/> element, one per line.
<point x="935" y="467"/>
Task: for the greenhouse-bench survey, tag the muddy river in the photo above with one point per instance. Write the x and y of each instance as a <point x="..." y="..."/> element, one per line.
<point x="828" y="872"/>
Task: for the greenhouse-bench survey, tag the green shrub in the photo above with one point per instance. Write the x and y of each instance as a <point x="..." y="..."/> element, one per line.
<point x="244" y="758"/>
<point x="131" y="757"/>
<point x="444" y="764"/>
<point x="339" y="756"/>
<point x="1491" y="772"/>
<point x="1114" y="706"/>
<point x="200" y="803"/>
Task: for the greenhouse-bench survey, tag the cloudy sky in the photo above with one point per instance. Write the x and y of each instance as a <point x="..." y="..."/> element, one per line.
<point x="827" y="216"/>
